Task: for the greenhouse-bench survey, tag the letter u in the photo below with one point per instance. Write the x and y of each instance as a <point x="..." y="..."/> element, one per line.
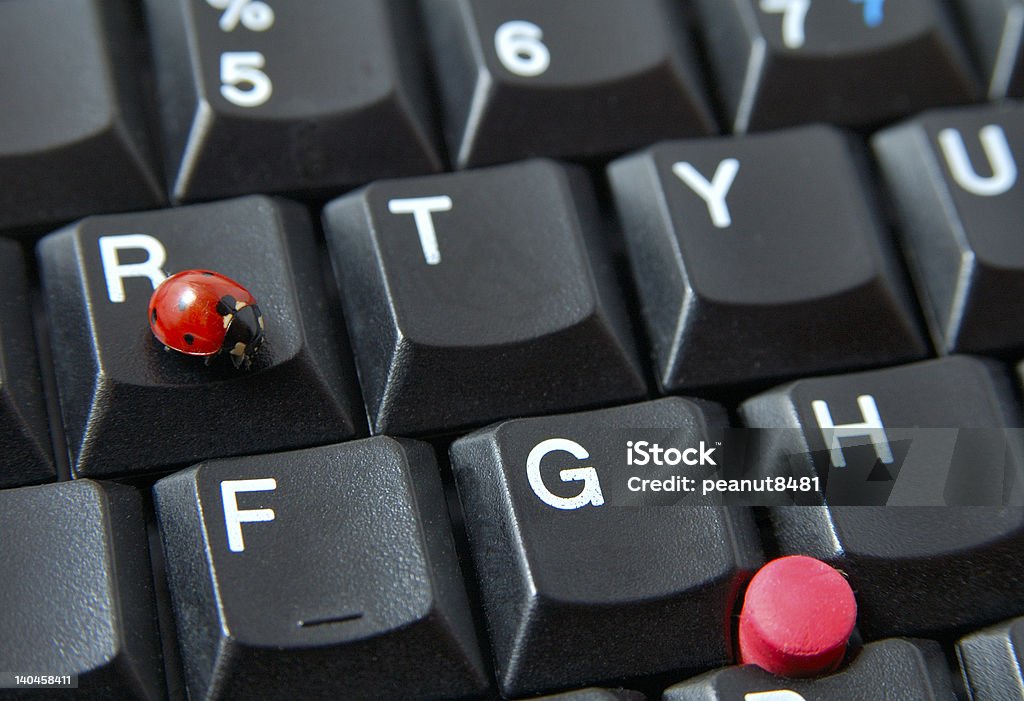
<point x="997" y="151"/>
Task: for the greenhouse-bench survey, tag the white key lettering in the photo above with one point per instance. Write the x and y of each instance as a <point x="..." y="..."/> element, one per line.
<point x="714" y="192"/>
<point x="780" y="695"/>
<point x="115" y="271"/>
<point x="1000" y="158"/>
<point x="235" y="517"/>
<point x="794" y="17"/>
<point x="591" y="493"/>
<point x="871" y="428"/>
<point x="421" y="208"/>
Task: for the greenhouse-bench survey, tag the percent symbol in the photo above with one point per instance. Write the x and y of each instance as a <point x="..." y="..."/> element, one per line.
<point x="254" y="15"/>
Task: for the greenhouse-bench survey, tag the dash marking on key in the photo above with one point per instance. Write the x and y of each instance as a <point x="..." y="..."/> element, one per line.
<point x="327" y="621"/>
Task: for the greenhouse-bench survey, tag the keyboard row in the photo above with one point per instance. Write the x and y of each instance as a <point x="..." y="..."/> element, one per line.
<point x="332" y="572"/>
<point x="294" y="96"/>
<point x="493" y="293"/>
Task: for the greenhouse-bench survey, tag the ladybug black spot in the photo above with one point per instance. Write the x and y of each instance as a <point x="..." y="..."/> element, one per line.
<point x="207" y="273"/>
<point x="154" y="316"/>
<point x="190" y="339"/>
<point x="226" y="305"/>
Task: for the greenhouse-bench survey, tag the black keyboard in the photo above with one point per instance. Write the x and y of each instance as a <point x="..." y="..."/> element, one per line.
<point x="525" y="269"/>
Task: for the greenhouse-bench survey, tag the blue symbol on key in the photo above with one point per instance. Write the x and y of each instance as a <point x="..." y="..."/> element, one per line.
<point x="874" y="11"/>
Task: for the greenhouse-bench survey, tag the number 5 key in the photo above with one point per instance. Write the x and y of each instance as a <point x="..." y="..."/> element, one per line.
<point x="288" y="95"/>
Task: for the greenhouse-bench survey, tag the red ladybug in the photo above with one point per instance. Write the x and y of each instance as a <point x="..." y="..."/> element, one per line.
<point x="199" y="312"/>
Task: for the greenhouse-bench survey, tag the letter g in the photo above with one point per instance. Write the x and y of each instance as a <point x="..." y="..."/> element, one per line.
<point x="591" y="492"/>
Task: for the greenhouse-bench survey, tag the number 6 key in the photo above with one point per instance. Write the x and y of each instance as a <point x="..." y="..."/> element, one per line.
<point x="288" y="95"/>
<point x="561" y="79"/>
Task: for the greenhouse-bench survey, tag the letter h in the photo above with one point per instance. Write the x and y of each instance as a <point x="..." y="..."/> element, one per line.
<point x="871" y="427"/>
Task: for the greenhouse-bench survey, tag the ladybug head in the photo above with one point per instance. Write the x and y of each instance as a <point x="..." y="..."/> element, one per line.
<point x="243" y="335"/>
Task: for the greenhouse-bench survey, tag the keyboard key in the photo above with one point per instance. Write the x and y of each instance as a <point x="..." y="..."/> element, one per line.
<point x="992" y="660"/>
<point x="289" y="95"/>
<point x="894" y="670"/>
<point x="593" y="694"/>
<point x="77" y="591"/>
<point x="24" y="430"/>
<point x="326" y="573"/>
<point x="760" y="257"/>
<point x="481" y="295"/>
<point x="934" y="433"/>
<point x="570" y="79"/>
<point x="954" y="176"/>
<point x="617" y="587"/>
<point x="128" y="406"/>
<point x="996" y="28"/>
<point x="949" y="563"/>
<point x="916" y="571"/>
<point x="72" y="129"/>
<point x="848" y="62"/>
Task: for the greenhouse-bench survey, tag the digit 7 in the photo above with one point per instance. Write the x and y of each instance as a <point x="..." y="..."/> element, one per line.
<point x="794" y="16"/>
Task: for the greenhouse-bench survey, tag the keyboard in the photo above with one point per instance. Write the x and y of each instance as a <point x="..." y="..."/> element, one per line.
<point x="520" y="335"/>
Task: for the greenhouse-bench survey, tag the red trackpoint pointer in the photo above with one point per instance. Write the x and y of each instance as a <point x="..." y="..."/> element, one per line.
<point x="797" y="617"/>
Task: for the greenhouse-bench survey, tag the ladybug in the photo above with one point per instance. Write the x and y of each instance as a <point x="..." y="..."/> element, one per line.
<point x="200" y="312"/>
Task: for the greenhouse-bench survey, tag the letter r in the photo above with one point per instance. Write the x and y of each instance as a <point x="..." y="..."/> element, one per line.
<point x="115" y="272"/>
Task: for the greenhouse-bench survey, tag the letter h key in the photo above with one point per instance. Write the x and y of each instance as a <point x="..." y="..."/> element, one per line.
<point x="942" y="440"/>
<point x="951" y="425"/>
